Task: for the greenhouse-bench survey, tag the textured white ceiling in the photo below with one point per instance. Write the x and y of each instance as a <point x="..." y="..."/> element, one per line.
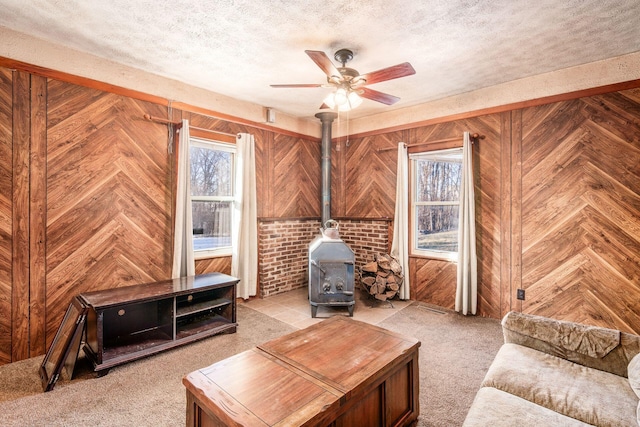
<point x="239" y="47"/>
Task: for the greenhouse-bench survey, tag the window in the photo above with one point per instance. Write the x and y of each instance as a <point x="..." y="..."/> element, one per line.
<point x="212" y="196"/>
<point x="435" y="187"/>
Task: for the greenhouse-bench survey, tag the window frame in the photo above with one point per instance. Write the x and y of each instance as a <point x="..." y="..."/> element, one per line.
<point x="218" y="146"/>
<point x="414" y="204"/>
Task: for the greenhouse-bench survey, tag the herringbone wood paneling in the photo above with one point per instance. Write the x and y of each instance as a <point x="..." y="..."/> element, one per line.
<point x="370" y="176"/>
<point x="6" y="212"/>
<point x="581" y="210"/>
<point x="296" y="178"/>
<point x="433" y="281"/>
<point x="214" y="265"/>
<point x="109" y="195"/>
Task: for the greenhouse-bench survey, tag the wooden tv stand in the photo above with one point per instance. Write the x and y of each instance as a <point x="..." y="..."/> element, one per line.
<point x="128" y="323"/>
<point x="339" y="373"/>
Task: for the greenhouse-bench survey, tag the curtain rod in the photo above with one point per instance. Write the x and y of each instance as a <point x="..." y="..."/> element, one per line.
<point x="178" y="125"/>
<point x="151" y="118"/>
<point x="474" y="138"/>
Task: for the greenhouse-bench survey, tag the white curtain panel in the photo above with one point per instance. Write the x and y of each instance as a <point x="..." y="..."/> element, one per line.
<point x="244" y="259"/>
<point x="183" y="260"/>
<point x="400" y="243"/>
<point x="467" y="283"/>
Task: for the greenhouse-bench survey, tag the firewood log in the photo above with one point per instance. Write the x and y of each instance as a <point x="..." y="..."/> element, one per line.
<point x="370" y="267"/>
<point x="395" y="266"/>
<point x="369" y="280"/>
<point x="384" y="264"/>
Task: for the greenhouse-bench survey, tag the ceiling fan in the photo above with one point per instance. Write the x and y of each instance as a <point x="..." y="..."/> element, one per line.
<point x="351" y="85"/>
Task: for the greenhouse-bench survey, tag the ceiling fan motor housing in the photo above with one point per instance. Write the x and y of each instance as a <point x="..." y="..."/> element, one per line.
<point x="347" y="75"/>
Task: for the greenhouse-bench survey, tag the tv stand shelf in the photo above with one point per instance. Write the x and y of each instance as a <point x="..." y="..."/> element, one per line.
<point x="128" y="323"/>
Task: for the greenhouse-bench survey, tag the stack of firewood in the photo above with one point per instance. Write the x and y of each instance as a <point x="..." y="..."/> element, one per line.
<point x="382" y="278"/>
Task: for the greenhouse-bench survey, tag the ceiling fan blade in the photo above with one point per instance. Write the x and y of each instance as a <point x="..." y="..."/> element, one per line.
<point x="389" y="73"/>
<point x="299" y="85"/>
<point x="374" y="95"/>
<point x="323" y="61"/>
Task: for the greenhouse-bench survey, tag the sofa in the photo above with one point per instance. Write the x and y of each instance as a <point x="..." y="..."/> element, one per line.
<point x="559" y="373"/>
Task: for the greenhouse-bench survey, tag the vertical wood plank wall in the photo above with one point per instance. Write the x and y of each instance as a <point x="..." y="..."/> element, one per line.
<point x="20" y="215"/>
<point x="6" y="212"/>
<point x="86" y="197"/>
<point x="37" y="215"/>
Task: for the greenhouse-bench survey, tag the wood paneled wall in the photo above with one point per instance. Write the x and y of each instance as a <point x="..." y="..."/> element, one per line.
<point x="108" y="216"/>
<point x="87" y="196"/>
<point x="6" y="211"/>
<point x="557" y="205"/>
<point x="294" y="177"/>
<point x="580" y="210"/>
<point x="363" y="180"/>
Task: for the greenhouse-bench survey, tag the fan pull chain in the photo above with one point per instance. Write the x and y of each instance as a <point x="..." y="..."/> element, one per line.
<point x="347" y="136"/>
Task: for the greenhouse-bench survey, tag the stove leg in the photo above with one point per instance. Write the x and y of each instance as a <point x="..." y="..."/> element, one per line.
<point x="314" y="311"/>
<point x="350" y="311"/>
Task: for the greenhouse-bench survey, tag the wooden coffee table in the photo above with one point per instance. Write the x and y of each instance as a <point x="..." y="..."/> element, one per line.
<point x="339" y="372"/>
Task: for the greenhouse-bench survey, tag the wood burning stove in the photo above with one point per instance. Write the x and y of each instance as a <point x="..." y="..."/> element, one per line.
<point x="331" y="261"/>
<point x="331" y="270"/>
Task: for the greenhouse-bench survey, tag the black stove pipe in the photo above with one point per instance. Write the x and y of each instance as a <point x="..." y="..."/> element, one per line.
<point x="326" y="118"/>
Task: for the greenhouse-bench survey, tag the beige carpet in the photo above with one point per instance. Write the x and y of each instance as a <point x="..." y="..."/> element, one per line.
<point x="455" y="354"/>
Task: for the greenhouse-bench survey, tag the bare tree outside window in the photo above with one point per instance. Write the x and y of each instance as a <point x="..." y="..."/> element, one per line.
<point x="211" y="194"/>
<point x="436" y="201"/>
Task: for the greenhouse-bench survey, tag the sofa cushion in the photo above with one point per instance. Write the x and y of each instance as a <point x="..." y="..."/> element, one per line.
<point x="634" y="374"/>
<point x="587" y="340"/>
<point x="496" y="408"/>
<point x="589" y="395"/>
<point x="634" y="380"/>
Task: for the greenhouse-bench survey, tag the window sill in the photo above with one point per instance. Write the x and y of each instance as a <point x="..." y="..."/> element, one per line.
<point x="434" y="257"/>
<point x="211" y="254"/>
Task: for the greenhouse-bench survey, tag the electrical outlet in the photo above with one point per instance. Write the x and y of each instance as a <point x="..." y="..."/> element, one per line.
<point x="520" y="294"/>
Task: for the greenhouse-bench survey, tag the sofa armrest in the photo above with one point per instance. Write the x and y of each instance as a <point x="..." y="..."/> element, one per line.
<point x="608" y="350"/>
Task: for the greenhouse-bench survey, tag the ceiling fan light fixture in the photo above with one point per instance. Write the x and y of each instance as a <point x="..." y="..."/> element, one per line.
<point x="354" y="99"/>
<point x="330" y="101"/>
<point x="340" y="97"/>
<point x="343" y="100"/>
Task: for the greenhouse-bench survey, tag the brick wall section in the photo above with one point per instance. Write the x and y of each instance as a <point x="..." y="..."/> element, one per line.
<point x="366" y="238"/>
<point x="284" y="249"/>
<point x="284" y="253"/>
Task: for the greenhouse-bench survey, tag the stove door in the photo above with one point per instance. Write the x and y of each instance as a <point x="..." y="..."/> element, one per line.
<point x="331" y="281"/>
